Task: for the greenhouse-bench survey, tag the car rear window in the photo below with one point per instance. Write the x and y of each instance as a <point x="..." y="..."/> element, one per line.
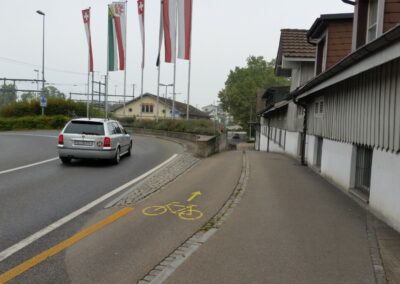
<point x="85" y="127"/>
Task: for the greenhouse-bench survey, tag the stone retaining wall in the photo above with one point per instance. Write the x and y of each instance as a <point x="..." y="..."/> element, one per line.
<point x="204" y="146"/>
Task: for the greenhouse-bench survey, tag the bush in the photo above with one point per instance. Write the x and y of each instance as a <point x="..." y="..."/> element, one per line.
<point x="33" y="122"/>
<point x="195" y="126"/>
<point x="55" y="106"/>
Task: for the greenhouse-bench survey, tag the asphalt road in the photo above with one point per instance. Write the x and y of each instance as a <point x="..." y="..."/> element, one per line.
<point x="34" y="197"/>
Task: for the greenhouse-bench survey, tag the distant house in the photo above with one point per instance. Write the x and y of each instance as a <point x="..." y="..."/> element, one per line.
<point x="281" y="122"/>
<point x="146" y="107"/>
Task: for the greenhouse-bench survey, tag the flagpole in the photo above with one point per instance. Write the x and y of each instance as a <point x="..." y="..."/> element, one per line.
<point x="88" y="89"/>
<point x="190" y="63"/>
<point x="125" y="50"/>
<point x="88" y="82"/>
<point x="108" y="64"/>
<point x="174" y="55"/>
<point x="158" y="91"/>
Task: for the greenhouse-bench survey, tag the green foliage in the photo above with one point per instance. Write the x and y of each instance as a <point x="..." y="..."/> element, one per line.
<point x="53" y="92"/>
<point x="55" y="106"/>
<point x="240" y="93"/>
<point x="33" y="122"/>
<point x="26" y="97"/>
<point x="8" y="94"/>
<point x="195" y="126"/>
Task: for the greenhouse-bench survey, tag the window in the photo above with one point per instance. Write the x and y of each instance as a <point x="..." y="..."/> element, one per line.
<point x="147" y="108"/>
<point x="372" y="20"/>
<point x="319" y="108"/>
<point x="117" y="129"/>
<point x="321" y="56"/>
<point x="130" y="109"/>
<point x="363" y="169"/>
<point x="85" y="127"/>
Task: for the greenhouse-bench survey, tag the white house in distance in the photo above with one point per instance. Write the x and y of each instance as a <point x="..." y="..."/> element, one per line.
<point x="147" y="108"/>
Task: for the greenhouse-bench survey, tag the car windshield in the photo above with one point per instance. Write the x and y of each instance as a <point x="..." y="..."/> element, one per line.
<point x="85" y="127"/>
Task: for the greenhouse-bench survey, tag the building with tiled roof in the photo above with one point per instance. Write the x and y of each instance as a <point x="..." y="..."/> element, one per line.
<point x="146" y="107"/>
<point x="293" y="45"/>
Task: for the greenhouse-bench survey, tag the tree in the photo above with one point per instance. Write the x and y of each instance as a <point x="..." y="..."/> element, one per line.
<point x="240" y="93"/>
<point x="27" y="97"/>
<point x="8" y="94"/>
<point x="53" y="92"/>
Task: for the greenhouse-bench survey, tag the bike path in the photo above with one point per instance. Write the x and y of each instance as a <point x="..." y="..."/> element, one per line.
<point x="125" y="250"/>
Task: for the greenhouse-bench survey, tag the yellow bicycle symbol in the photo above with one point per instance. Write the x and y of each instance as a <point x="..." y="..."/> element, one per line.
<point x="185" y="212"/>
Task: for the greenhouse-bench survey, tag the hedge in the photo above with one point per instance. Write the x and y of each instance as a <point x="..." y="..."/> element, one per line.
<point x="55" y="106"/>
<point x="33" y="122"/>
<point x="195" y="126"/>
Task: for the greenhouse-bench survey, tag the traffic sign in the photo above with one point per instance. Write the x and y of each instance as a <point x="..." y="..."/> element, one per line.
<point x="43" y="102"/>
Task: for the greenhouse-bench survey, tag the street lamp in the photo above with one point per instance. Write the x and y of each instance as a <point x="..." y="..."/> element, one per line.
<point x="42" y="14"/>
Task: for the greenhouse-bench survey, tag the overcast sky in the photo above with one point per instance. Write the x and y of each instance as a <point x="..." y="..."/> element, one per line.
<point x="225" y="33"/>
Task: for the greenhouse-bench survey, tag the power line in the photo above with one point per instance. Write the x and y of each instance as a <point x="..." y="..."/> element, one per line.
<point x="35" y="65"/>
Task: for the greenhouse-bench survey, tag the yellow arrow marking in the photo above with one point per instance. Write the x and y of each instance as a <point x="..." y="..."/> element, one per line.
<point x="194" y="195"/>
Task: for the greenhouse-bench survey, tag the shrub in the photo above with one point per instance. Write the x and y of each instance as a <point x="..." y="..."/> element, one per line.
<point x="33" y="122"/>
<point x="55" y="106"/>
<point x="195" y="126"/>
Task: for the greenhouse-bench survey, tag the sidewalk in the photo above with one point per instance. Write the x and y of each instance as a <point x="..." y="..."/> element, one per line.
<point x="290" y="227"/>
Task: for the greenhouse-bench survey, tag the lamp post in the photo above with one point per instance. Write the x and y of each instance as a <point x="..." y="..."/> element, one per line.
<point x="37" y="82"/>
<point x="42" y="14"/>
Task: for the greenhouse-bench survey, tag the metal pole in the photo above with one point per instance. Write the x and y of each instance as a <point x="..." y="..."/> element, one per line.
<point x="88" y="88"/>
<point x="125" y="50"/>
<point x="174" y="56"/>
<point x="158" y="92"/>
<point x="92" y="87"/>
<point x="108" y="64"/>
<point x="43" y="15"/>
<point x="141" y="96"/>
<point x="190" y="62"/>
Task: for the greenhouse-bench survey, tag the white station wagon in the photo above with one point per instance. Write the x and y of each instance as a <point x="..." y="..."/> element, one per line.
<point x="93" y="138"/>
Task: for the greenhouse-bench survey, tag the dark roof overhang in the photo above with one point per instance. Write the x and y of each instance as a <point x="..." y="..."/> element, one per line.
<point x="385" y="41"/>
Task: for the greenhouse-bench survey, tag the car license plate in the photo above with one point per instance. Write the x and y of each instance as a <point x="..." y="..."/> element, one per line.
<point x="83" y="143"/>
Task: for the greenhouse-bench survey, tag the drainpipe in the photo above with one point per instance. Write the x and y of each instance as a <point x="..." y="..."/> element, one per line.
<point x="269" y="133"/>
<point x="304" y="134"/>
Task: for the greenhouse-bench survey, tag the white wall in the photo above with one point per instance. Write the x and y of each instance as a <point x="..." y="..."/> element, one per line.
<point x="311" y="150"/>
<point x="385" y="187"/>
<point x="337" y="162"/>
<point x="292" y="143"/>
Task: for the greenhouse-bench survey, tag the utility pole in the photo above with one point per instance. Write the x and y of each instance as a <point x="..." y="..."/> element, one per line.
<point x="44" y="16"/>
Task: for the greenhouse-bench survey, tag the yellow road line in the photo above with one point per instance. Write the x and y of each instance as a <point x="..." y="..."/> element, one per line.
<point x="23" y="267"/>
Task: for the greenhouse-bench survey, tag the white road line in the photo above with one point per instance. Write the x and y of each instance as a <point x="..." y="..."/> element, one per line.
<point x="27" y="241"/>
<point x="28" y="166"/>
<point x="26" y="134"/>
